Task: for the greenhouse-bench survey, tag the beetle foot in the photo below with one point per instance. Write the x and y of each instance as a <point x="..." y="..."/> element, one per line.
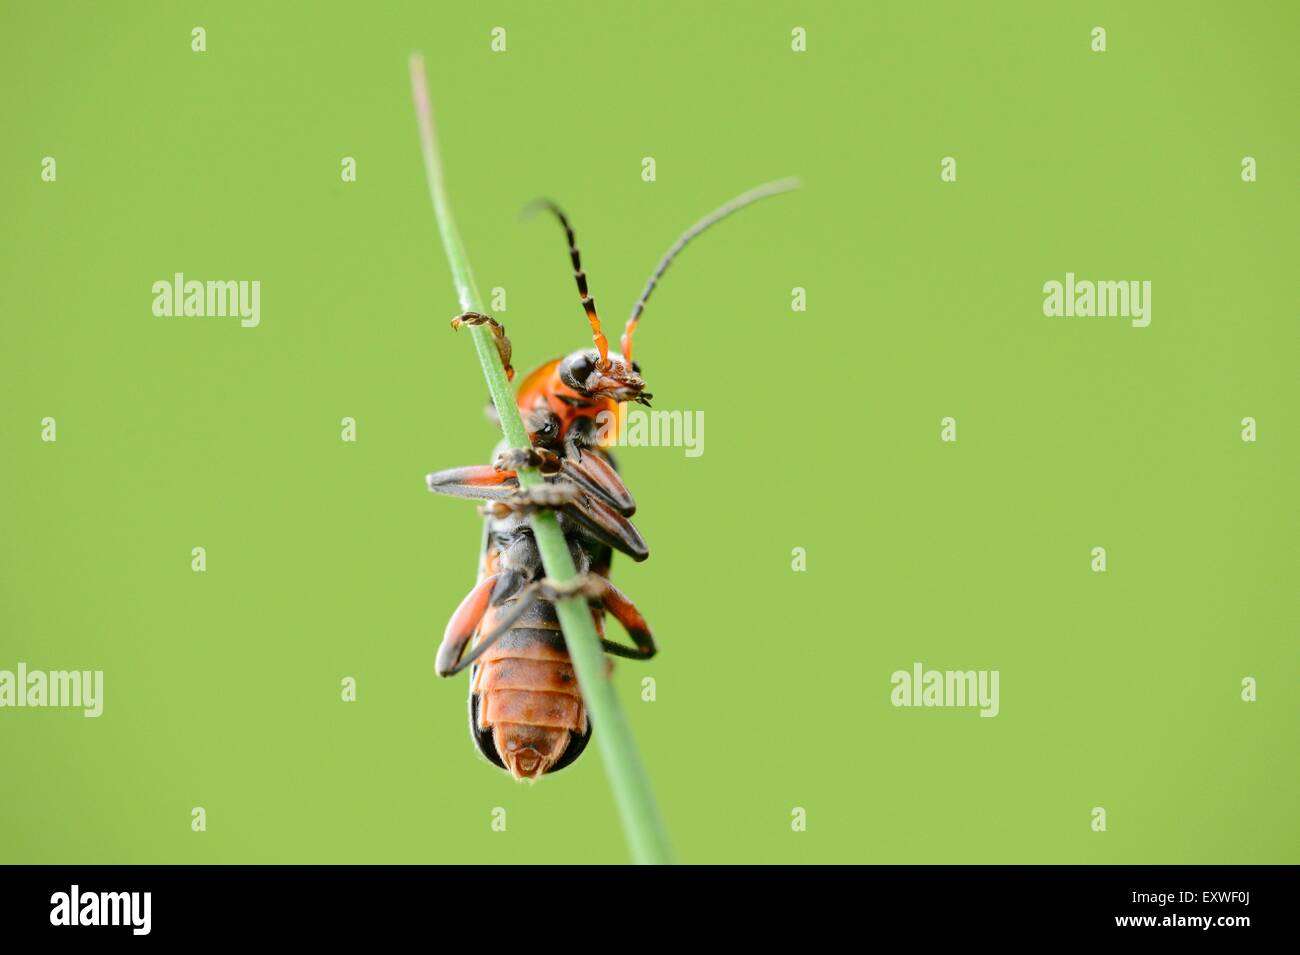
<point x="591" y="586"/>
<point x="544" y="497"/>
<point x="548" y="462"/>
<point x="498" y="336"/>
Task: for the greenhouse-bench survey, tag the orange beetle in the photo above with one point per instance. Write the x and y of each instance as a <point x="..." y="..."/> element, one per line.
<point x="526" y="711"/>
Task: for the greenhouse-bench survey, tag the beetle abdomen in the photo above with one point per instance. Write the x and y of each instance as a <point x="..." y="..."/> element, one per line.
<point x="526" y="708"/>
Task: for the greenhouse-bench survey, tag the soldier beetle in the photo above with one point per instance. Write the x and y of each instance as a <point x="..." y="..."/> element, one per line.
<point x="526" y="711"/>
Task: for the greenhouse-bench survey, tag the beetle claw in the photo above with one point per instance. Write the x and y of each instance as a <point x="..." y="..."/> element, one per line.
<point x="548" y="462"/>
<point x="590" y="586"/>
<point x="544" y="497"/>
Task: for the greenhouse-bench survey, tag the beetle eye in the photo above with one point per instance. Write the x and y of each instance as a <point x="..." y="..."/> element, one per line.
<point x="636" y="368"/>
<point x="576" y="369"/>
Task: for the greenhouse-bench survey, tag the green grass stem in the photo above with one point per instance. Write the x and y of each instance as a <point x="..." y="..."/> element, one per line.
<point x="646" y="836"/>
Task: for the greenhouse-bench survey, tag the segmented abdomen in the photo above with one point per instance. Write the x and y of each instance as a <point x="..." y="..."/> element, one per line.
<point x="525" y="706"/>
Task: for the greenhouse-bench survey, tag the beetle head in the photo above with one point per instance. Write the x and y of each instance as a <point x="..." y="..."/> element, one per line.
<point x="615" y="378"/>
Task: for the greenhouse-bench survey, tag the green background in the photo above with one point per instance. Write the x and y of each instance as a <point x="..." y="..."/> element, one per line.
<point x="328" y="559"/>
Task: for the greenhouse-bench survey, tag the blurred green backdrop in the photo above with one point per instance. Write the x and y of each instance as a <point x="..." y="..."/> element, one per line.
<point x="328" y="559"/>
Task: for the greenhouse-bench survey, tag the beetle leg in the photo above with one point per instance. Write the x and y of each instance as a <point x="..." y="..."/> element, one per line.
<point x="548" y="462"/>
<point x="498" y="335"/>
<point x="493" y="590"/>
<point x="625" y="612"/>
<point x="462" y="625"/>
<point x="481" y="481"/>
<point x="604" y="524"/>
<point x="550" y="496"/>
<point x="597" y="475"/>
<point x="599" y="520"/>
<point x="498" y="482"/>
<point x="592" y="467"/>
<point x="505" y="587"/>
<point x="601" y="593"/>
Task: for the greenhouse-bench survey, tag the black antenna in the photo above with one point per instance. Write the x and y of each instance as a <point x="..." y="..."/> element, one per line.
<point x="717" y="215"/>
<point x="588" y="303"/>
